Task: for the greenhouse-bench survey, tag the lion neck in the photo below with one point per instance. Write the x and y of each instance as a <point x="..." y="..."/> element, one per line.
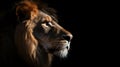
<point x="43" y="58"/>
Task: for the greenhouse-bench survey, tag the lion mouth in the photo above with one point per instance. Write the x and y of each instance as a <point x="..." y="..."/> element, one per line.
<point x="52" y="50"/>
<point x="59" y="52"/>
<point x="60" y="48"/>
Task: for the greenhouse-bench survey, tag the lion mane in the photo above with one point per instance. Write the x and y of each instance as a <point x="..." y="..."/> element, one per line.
<point x="25" y="40"/>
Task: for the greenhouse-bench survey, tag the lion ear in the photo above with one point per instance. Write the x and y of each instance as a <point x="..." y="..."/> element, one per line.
<point x="26" y="10"/>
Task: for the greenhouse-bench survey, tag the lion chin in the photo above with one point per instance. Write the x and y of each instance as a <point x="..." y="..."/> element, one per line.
<point x="61" y="53"/>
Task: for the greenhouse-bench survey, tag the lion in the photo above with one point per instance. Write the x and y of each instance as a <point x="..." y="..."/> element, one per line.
<point x="38" y="37"/>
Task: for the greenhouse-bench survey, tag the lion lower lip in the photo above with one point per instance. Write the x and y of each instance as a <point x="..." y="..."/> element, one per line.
<point x="54" y="50"/>
<point x="62" y="41"/>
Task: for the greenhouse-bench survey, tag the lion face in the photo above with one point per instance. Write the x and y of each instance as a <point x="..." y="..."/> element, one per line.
<point x="54" y="38"/>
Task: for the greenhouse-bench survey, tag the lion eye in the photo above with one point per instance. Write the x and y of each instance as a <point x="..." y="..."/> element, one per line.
<point x="48" y="23"/>
<point x="46" y="26"/>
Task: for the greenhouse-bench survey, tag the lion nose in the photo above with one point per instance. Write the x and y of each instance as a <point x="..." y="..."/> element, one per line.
<point x="68" y="37"/>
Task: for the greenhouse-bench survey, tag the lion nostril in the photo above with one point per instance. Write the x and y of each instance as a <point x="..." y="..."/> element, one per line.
<point x="67" y="37"/>
<point x="67" y="47"/>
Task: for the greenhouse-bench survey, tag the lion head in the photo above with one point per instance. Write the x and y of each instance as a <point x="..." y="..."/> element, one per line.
<point x="38" y="35"/>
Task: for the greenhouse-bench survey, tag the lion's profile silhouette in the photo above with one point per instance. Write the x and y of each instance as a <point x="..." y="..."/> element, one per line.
<point x="38" y="36"/>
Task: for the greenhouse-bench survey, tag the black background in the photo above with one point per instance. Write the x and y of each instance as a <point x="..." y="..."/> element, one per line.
<point x="86" y="20"/>
<point x="77" y="17"/>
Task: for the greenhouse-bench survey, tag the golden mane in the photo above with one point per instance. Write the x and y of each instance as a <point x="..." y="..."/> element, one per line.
<point x="24" y="37"/>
